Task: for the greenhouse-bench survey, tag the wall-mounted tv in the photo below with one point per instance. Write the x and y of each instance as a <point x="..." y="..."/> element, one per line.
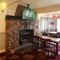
<point x="29" y="14"/>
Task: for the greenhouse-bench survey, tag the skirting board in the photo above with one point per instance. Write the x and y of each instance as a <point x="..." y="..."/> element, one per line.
<point x="2" y="50"/>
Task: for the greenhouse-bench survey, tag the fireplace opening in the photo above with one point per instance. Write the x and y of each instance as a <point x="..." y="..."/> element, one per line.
<point x="26" y="36"/>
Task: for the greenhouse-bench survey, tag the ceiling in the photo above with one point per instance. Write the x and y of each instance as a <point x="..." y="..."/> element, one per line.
<point x="33" y="3"/>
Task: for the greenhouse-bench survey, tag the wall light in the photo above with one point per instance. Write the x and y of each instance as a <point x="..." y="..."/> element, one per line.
<point x="3" y="6"/>
<point x="56" y="15"/>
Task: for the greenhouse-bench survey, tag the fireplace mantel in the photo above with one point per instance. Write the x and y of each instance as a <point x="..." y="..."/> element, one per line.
<point x="9" y="17"/>
<point x="13" y="17"/>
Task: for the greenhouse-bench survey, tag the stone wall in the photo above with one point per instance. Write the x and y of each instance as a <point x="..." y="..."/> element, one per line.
<point x="19" y="10"/>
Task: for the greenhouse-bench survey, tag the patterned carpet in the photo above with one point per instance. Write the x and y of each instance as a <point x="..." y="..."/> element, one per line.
<point x="25" y="55"/>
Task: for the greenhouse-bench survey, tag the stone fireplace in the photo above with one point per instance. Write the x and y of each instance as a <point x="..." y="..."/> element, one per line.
<point x="14" y="25"/>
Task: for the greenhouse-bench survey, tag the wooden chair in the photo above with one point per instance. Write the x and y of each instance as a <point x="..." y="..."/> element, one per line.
<point x="54" y="46"/>
<point x="35" y="44"/>
<point x="46" y="45"/>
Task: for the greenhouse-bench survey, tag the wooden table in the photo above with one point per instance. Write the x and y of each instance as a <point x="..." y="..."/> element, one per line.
<point x="52" y="38"/>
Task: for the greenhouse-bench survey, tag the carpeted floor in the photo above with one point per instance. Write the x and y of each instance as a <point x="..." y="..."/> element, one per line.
<point x="28" y="55"/>
<point x="25" y="55"/>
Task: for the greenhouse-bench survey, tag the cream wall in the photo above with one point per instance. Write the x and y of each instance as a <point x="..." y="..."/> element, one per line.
<point x="2" y="20"/>
<point x="2" y="27"/>
<point x="48" y="9"/>
<point x="11" y="11"/>
<point x="2" y="42"/>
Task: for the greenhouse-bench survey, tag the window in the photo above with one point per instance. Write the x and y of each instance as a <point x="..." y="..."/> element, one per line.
<point x="58" y="24"/>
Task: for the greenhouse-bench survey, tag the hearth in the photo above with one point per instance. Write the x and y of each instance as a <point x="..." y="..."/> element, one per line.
<point x="26" y="36"/>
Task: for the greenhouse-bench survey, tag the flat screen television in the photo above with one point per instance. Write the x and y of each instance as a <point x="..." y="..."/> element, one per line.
<point x="29" y="14"/>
